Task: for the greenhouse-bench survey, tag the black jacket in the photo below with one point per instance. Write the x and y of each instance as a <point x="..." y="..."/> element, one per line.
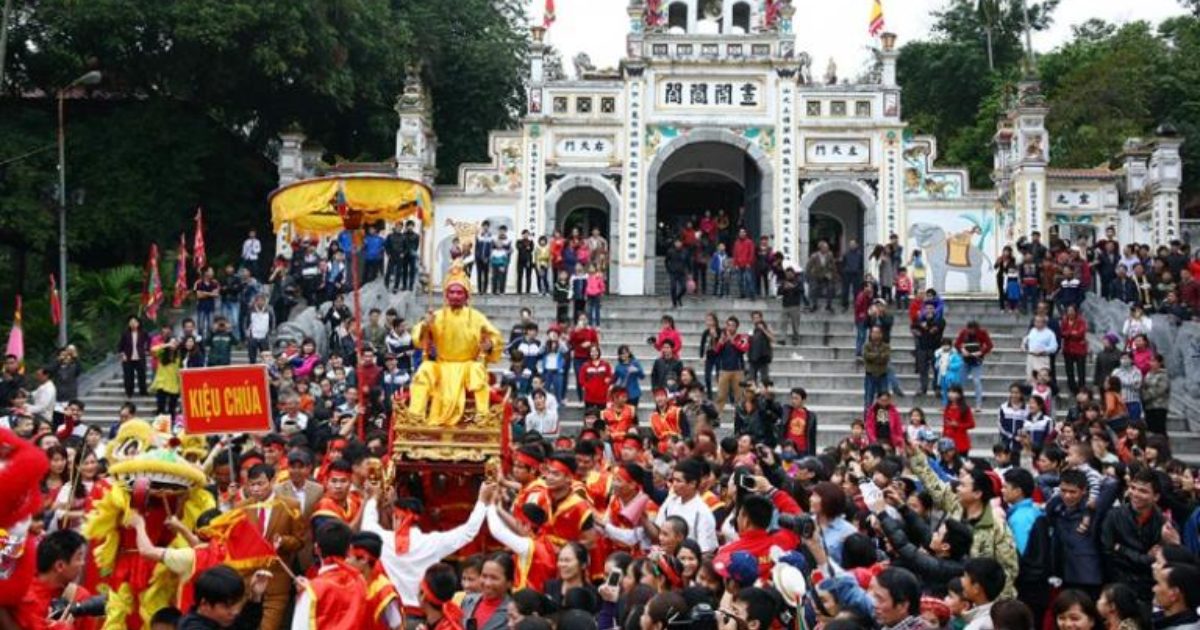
<point x="852" y="263"/>
<point x="1036" y="564"/>
<point x="125" y="346"/>
<point x="1127" y="544"/>
<point x="810" y="430"/>
<point x="1075" y="557"/>
<point x="664" y="371"/>
<point x="679" y="261"/>
<point x="249" y="619"/>
<point x="934" y="572"/>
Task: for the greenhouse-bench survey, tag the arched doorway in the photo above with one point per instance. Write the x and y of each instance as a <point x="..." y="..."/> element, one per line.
<point x="706" y="171"/>
<point x="836" y="217"/>
<point x="837" y="211"/>
<point x="587" y="202"/>
<point x="584" y="209"/>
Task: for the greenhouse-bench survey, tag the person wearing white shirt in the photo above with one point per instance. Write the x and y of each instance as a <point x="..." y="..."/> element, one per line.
<point x="251" y="249"/>
<point x="686" y="502"/>
<point x="1039" y="344"/>
<point x="541" y="418"/>
<point x="41" y="404"/>
<point x="424" y="549"/>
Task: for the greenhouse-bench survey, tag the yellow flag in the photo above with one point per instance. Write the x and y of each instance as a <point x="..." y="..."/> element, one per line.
<point x="876" y="18"/>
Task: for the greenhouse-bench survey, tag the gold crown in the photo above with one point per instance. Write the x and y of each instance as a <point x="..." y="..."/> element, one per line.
<point x="456" y="275"/>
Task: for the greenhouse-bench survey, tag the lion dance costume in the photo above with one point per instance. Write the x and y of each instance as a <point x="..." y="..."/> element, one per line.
<point x="153" y="480"/>
<point x="22" y="466"/>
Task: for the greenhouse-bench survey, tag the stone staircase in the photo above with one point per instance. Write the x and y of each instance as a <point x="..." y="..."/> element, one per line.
<point x="105" y="399"/>
<point x="823" y="362"/>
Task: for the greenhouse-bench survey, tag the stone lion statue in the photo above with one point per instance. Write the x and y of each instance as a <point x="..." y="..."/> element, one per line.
<point x="583" y="63"/>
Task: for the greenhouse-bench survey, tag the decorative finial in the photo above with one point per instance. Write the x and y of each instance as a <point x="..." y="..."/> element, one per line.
<point x="889" y="41"/>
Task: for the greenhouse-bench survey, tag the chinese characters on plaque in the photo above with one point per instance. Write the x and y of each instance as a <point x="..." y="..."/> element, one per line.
<point x="584" y="147"/>
<point x="1075" y="199"/>
<point x="739" y="94"/>
<point x="533" y="150"/>
<point x="1034" y="200"/>
<point x="818" y="151"/>
<point x="891" y="185"/>
<point x="631" y="228"/>
<point x="787" y="170"/>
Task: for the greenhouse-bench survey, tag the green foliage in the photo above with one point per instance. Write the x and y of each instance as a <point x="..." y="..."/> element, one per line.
<point x="1094" y="108"/>
<point x="108" y="294"/>
<point x="1103" y="86"/>
<point x="194" y="95"/>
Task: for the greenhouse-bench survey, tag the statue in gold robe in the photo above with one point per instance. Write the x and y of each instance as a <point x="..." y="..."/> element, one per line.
<point x="464" y="342"/>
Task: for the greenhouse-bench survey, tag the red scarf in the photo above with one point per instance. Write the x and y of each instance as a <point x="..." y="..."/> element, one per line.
<point x="403" y="526"/>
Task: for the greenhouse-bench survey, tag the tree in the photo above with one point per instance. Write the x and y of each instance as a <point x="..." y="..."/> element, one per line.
<point x="946" y="86"/>
<point x="989" y="13"/>
<point x="1106" y="92"/>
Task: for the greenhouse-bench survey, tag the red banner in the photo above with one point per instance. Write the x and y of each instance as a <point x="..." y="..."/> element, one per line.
<point x="234" y="399"/>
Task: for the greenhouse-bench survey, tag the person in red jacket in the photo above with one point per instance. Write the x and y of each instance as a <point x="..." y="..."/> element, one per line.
<point x="1073" y="329"/>
<point x="60" y="559"/>
<point x="1189" y="291"/>
<point x="753" y="518"/>
<point x="862" y="306"/>
<point x="581" y="340"/>
<point x="958" y="420"/>
<point x="595" y="376"/>
<point x="974" y="343"/>
<point x="743" y="262"/>
<point x="883" y="422"/>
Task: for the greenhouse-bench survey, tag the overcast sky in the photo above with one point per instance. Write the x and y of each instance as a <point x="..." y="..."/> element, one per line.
<point x="824" y="28"/>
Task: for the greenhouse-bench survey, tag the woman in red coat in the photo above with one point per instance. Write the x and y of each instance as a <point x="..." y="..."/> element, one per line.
<point x="596" y="376"/>
<point x="883" y="423"/>
<point x="958" y="420"/>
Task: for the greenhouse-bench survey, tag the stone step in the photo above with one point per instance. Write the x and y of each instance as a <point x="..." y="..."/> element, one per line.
<point x="835" y="419"/>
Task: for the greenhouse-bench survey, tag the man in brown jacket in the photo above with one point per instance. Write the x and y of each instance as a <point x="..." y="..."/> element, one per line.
<point x="877" y="355"/>
<point x="300" y="487"/>
<point x="280" y="520"/>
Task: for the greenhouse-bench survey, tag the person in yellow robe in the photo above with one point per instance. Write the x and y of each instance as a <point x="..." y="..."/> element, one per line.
<point x="464" y="342"/>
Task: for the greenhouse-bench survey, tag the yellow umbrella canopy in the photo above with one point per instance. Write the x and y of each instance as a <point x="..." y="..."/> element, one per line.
<point x="310" y="206"/>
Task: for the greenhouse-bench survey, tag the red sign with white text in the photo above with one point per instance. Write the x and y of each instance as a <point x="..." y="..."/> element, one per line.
<point x="233" y="399"/>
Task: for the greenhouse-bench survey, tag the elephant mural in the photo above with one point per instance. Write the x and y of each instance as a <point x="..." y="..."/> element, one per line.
<point x="954" y="253"/>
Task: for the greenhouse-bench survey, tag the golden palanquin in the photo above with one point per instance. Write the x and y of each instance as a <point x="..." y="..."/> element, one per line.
<point x="474" y="439"/>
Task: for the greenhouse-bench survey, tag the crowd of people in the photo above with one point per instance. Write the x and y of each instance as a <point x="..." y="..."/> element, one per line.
<point x="682" y="515"/>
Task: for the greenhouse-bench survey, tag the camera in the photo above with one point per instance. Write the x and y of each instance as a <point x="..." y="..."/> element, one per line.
<point x="802" y="524"/>
<point x="90" y="607"/>
<point x="700" y="617"/>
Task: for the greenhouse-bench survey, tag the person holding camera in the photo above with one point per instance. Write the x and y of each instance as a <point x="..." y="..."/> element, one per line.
<point x="754" y="517"/>
<point x="762" y="342"/>
<point x="54" y="600"/>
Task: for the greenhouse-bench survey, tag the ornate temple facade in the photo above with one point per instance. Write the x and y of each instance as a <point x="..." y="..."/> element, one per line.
<point x="717" y="108"/>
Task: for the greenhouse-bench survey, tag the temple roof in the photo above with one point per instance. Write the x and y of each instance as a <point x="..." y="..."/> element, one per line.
<point x="1081" y="173"/>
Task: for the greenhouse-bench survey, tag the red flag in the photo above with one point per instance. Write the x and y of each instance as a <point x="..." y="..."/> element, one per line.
<point x="152" y="294"/>
<point x="198" y="254"/>
<point x="55" y="302"/>
<point x="549" y="17"/>
<point x="181" y="283"/>
<point x="16" y="337"/>
<point x="246" y="547"/>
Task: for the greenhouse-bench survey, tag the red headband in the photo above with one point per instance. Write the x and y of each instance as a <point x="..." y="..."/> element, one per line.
<point x="429" y="596"/>
<point x="624" y="475"/>
<point x="633" y="442"/>
<point x="362" y="554"/>
<point x="560" y="467"/>
<point x="527" y="460"/>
